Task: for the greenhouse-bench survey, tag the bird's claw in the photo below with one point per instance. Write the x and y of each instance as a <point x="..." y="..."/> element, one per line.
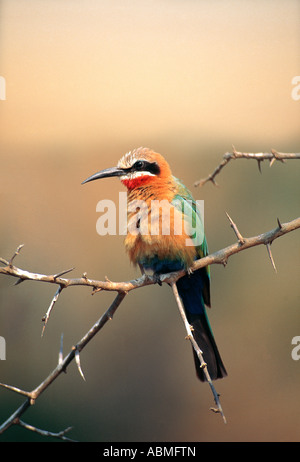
<point x="190" y="271"/>
<point x="157" y="279"/>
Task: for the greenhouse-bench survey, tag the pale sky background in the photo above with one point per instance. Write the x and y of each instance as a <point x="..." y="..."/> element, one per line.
<point x="88" y="70"/>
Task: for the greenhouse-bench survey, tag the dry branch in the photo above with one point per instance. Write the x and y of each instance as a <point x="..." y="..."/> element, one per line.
<point x="60" y="435"/>
<point x="62" y="365"/>
<point x="219" y="257"/>
<point x="258" y="156"/>
<point x="203" y="364"/>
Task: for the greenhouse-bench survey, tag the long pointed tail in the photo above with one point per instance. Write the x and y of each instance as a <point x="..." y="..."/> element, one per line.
<point x="206" y="342"/>
<point x="194" y="290"/>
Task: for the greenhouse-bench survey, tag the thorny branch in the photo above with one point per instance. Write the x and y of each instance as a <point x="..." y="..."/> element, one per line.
<point x="203" y="364"/>
<point x="60" y="435"/>
<point x="62" y="365"/>
<point x="258" y="156"/>
<point x="123" y="288"/>
<point x="221" y="256"/>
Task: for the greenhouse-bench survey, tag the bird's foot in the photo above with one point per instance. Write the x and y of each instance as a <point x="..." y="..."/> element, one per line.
<point x="190" y="271"/>
<point x="157" y="279"/>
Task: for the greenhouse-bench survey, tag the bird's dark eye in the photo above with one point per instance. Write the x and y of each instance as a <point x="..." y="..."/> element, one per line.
<point x="139" y="165"/>
<point x="145" y="166"/>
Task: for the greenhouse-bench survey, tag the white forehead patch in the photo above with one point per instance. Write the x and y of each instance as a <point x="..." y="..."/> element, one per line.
<point x="126" y="160"/>
<point x="129" y="159"/>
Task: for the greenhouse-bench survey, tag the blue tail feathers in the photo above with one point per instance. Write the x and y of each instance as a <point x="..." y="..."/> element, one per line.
<point x="194" y="293"/>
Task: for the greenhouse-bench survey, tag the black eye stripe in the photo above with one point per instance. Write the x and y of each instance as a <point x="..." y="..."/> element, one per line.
<point x="145" y="166"/>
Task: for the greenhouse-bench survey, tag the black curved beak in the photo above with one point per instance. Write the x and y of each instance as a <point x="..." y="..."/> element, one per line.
<point x="108" y="172"/>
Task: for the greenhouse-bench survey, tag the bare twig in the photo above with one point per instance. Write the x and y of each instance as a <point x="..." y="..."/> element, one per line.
<point x="236" y="231"/>
<point x="203" y="364"/>
<point x="53" y="301"/>
<point x="83" y="281"/>
<point x="60" y="435"/>
<point x="16" y="390"/>
<point x="15" y="254"/>
<point x="262" y="239"/>
<point x="33" y="395"/>
<point x="258" y="156"/>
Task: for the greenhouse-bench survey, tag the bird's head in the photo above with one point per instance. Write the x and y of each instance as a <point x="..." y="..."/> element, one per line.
<point x="136" y="168"/>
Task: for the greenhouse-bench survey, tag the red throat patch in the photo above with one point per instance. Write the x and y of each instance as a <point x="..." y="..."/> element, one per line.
<point x="136" y="182"/>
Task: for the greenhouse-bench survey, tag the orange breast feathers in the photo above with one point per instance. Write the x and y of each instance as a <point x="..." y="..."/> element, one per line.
<point x="156" y="227"/>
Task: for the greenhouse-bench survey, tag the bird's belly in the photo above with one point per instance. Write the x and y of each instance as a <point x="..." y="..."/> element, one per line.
<point x="161" y="254"/>
<point x="157" y="237"/>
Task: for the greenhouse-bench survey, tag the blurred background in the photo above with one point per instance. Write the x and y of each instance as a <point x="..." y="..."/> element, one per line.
<point x="85" y="83"/>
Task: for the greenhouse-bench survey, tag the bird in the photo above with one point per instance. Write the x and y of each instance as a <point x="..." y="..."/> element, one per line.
<point x="149" y="180"/>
